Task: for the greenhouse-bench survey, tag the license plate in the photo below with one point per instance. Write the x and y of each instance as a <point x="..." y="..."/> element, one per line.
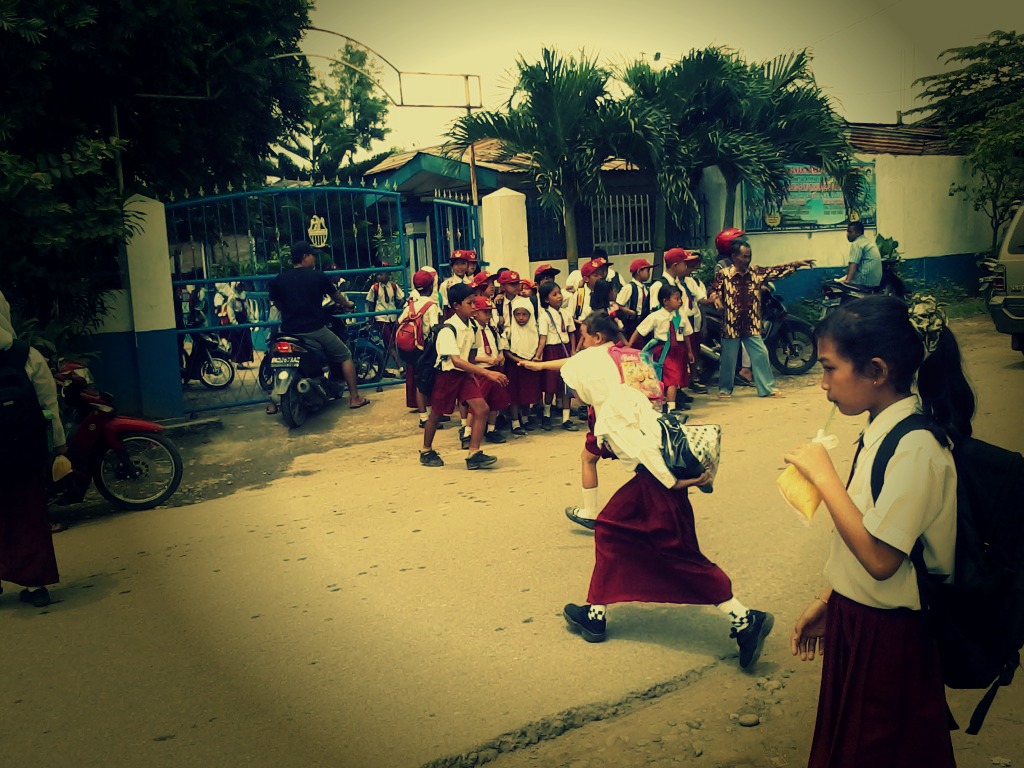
<point x="284" y="362"/>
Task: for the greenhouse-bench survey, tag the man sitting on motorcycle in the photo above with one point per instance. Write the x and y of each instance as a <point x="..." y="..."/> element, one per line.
<point x="865" y="262"/>
<point x="298" y="294"/>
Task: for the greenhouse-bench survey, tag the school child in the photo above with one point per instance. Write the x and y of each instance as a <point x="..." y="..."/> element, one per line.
<point x="460" y="261"/>
<point x="458" y="381"/>
<point x="555" y="331"/>
<point x="421" y="300"/>
<point x="524" y="384"/>
<point x="527" y="288"/>
<point x="634" y="299"/>
<point x="668" y="326"/>
<point x="544" y="273"/>
<point x="882" y="701"/>
<point x="490" y="353"/>
<point x="591" y="271"/>
<point x="385" y="294"/>
<point x="483" y="285"/>
<point x="697" y="295"/>
<point x="598" y="332"/>
<point x="510" y="284"/>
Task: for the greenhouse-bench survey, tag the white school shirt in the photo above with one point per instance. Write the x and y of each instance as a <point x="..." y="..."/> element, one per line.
<point x="628" y="423"/>
<point x="430" y="318"/>
<point x="918" y="498"/>
<point x="659" y="323"/>
<point x="448" y="283"/>
<point x="626" y="294"/>
<point x="592" y="373"/>
<point x="460" y="343"/>
<point x="665" y="279"/>
<point x="581" y="303"/>
<point x="488" y="336"/>
<point x="555" y="327"/>
<point x="383" y="297"/>
<point x="699" y="292"/>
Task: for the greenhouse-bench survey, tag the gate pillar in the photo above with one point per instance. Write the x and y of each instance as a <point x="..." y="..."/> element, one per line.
<point x="504" y="231"/>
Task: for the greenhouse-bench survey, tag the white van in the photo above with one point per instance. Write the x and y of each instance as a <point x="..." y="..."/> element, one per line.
<point x="1004" y="285"/>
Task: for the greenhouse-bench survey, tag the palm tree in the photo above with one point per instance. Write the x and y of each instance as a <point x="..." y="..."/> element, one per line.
<point x="555" y="117"/>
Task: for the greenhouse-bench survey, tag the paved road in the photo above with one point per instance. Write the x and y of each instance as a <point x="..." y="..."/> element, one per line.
<point x="352" y="608"/>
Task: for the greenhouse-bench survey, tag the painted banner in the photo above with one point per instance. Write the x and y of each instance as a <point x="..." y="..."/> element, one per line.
<point x="815" y="201"/>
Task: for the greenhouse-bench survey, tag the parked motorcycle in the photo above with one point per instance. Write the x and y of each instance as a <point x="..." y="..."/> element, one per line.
<point x="206" y="362"/>
<point x="133" y="464"/>
<point x="835" y="293"/>
<point x="790" y="340"/>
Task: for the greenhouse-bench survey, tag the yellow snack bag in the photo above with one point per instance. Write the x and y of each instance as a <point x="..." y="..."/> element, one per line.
<point x="799" y="492"/>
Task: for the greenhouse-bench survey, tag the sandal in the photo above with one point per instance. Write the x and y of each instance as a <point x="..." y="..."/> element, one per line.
<point x="272" y="409"/>
<point x="58" y="527"/>
<point x="360" y="404"/>
<point x="724" y="395"/>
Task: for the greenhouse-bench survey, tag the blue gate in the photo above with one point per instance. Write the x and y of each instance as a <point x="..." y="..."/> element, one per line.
<point x="225" y="250"/>
<point x="456" y="227"/>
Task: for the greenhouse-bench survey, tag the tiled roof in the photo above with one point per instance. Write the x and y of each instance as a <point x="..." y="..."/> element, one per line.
<point x="890" y="139"/>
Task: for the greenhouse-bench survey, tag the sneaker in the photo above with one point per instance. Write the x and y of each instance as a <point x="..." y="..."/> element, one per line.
<point x="570" y="426"/>
<point x="39" y="598"/>
<point x="576" y="617"/>
<point x="581" y="413"/>
<point x="545" y="423"/>
<point x="519" y="432"/>
<point x="573" y="513"/>
<point x="751" y="638"/>
<point x="682" y="397"/>
<point x="423" y="424"/>
<point x="464" y="438"/>
<point x="494" y="436"/>
<point x="529" y="425"/>
<point x="445" y="419"/>
<point x="431" y="458"/>
<point x="480" y="460"/>
<point x="698" y="389"/>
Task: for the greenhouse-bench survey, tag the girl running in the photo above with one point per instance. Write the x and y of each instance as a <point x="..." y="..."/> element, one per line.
<point x="882" y="701"/>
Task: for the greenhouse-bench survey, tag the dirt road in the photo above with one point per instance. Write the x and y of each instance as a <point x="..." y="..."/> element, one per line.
<point x="318" y="598"/>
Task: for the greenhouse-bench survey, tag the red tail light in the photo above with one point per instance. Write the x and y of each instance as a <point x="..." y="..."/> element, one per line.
<point x="283" y="347"/>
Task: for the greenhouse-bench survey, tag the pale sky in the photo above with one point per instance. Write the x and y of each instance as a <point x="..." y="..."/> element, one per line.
<point x="866" y="53"/>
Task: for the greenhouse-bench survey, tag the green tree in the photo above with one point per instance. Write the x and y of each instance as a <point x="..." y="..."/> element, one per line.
<point x="981" y="104"/>
<point x="103" y="99"/>
<point x="347" y="114"/>
<point x="556" y="116"/>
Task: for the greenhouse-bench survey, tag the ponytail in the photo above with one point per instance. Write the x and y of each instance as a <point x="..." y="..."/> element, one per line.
<point x="604" y="325"/>
<point x="945" y="393"/>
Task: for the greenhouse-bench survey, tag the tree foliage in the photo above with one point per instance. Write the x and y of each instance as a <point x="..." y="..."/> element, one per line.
<point x="981" y="104"/>
<point x="174" y="94"/>
<point x="347" y="114"/>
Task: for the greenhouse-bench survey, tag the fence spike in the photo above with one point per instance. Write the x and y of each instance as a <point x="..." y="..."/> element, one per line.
<point x="362" y="182"/>
<point x="186" y="193"/>
<point x="202" y="192"/>
<point x="374" y="182"/>
<point x="230" y="187"/>
<point x="216" y="189"/>
<point x="350" y="181"/>
<point x="337" y="181"/>
<point x="171" y="196"/>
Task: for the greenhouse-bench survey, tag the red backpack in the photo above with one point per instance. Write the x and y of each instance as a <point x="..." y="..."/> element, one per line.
<point x="409" y="336"/>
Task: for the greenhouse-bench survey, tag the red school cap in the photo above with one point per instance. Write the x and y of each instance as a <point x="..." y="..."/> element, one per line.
<point x="464" y="256"/>
<point x="509" y="276"/>
<point x="544" y="269"/>
<point x="592" y="266"/>
<point x="637" y="264"/>
<point x="479" y="279"/>
<point x="674" y="256"/>
<point x="481" y="303"/>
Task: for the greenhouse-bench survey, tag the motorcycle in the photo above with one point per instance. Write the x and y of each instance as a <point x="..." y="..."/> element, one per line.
<point x="206" y="362"/>
<point x="835" y="293"/>
<point x="790" y="340"/>
<point x="134" y="465"/>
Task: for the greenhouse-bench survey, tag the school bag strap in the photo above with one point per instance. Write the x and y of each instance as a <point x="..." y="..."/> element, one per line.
<point x="887" y="449"/>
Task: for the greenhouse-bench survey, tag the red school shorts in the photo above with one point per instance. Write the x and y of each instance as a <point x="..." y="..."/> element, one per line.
<point x="590" y="444"/>
<point x="495" y="394"/>
<point x="675" y="371"/>
<point x="452" y="388"/>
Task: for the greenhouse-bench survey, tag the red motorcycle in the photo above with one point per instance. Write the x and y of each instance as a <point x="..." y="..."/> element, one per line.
<point x="133" y="464"/>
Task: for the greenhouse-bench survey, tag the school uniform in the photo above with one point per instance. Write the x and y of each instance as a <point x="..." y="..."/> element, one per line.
<point x="442" y="292"/>
<point x="488" y="344"/>
<point x="556" y="329"/>
<point x="451" y="385"/>
<point x="591" y="373"/>
<point x="431" y="317"/>
<point x="882" y="700"/>
<point x="659" y="325"/>
<point x="581" y="303"/>
<point x="524" y="385"/>
<point x="380" y="298"/>
<point x="635" y="295"/>
<point x="695" y="292"/>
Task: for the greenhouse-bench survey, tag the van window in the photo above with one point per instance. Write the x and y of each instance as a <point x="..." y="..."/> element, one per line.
<point x="1015" y="237"/>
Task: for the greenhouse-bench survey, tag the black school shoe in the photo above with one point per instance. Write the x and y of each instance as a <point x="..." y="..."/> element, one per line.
<point x="592" y="630"/>
<point x="529" y="424"/>
<point x="698" y="389"/>
<point x="431" y="459"/>
<point x="40" y="598"/>
<point x="545" y="423"/>
<point x="518" y="432"/>
<point x="494" y="436"/>
<point x="751" y="638"/>
<point x="480" y="460"/>
<point x="570" y="426"/>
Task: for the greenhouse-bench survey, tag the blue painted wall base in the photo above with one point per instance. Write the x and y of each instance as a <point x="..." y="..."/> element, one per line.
<point x="139" y="370"/>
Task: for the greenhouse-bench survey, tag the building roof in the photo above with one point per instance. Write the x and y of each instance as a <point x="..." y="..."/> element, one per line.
<point x="898" y="139"/>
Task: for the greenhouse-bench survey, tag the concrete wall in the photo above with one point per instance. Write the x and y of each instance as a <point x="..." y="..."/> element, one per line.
<point x="503" y="229"/>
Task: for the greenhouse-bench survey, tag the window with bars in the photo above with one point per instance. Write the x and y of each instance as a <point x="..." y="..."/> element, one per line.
<point x="622" y="223"/>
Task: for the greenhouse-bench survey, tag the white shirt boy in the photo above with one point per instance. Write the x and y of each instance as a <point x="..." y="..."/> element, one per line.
<point x="384" y="296"/>
<point x="658" y="324"/>
<point x="458" y="344"/>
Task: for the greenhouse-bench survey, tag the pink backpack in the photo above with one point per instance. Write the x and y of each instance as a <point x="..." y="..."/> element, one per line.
<point x="637" y="370"/>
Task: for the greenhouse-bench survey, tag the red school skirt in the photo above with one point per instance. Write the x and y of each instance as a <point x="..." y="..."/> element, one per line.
<point x="26" y="543"/>
<point x="452" y="388"/>
<point x="523" y="384"/>
<point x="675" y="371"/>
<point x="645" y="542"/>
<point x="882" y="702"/>
<point x="551" y="381"/>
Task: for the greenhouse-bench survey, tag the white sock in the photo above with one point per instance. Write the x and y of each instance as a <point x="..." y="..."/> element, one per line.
<point x="516" y="424"/>
<point x="590" y="508"/>
<point x="596" y="613"/>
<point x="736" y="611"/>
<point x="490" y="427"/>
<point x="423" y="418"/>
<point x="465" y="422"/>
<point x="547" y="411"/>
<point x="566" y="415"/>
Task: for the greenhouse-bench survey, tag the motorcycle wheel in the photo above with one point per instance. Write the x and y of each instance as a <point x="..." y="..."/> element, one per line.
<point x="792" y="352"/>
<point x="266" y="374"/>
<point x="293" y="408"/>
<point x="142" y="476"/>
<point x="368" y="359"/>
<point x="217" y="372"/>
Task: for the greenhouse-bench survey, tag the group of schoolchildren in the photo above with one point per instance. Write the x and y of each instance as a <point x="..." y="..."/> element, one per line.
<point x="500" y="325"/>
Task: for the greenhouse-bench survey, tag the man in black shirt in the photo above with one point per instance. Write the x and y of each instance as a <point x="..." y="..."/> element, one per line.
<point x="299" y="294"/>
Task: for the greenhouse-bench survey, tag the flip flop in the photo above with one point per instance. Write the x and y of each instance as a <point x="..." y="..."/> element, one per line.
<point x="724" y="395"/>
<point x="359" y="405"/>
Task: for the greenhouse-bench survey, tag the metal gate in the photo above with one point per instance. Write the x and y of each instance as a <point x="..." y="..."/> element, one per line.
<point x="456" y="227"/>
<point x="226" y="248"/>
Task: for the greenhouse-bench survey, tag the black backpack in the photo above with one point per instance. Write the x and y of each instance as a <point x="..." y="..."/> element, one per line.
<point x="22" y="424"/>
<point x="425" y="370"/>
<point x="978" y="617"/>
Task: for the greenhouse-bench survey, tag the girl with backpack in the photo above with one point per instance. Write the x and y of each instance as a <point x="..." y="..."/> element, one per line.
<point x="882" y="701"/>
<point x="668" y="329"/>
<point x="421" y="313"/>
